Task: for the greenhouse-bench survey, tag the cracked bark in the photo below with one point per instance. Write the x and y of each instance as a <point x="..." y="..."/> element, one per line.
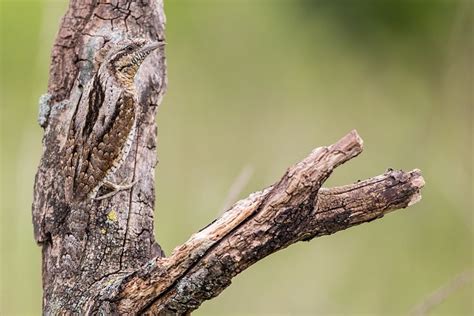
<point x="103" y="257"/>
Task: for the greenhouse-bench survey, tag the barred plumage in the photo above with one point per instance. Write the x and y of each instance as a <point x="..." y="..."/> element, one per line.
<point x="103" y="124"/>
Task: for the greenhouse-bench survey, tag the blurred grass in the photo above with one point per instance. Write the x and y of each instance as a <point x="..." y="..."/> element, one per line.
<point x="261" y="84"/>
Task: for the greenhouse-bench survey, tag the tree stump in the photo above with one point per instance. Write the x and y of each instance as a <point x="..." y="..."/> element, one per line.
<point x="103" y="258"/>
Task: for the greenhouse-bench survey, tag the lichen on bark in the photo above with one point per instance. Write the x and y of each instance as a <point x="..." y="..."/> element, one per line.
<point x="102" y="257"/>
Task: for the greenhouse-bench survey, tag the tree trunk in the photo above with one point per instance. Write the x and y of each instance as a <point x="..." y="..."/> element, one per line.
<point x="103" y="258"/>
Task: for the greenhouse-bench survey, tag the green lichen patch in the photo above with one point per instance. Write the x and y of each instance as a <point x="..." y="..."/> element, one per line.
<point x="112" y="216"/>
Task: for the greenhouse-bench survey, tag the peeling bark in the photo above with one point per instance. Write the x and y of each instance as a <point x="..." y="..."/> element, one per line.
<point x="265" y="222"/>
<point x="103" y="258"/>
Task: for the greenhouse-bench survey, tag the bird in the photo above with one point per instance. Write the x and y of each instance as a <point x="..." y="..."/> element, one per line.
<point x="103" y="123"/>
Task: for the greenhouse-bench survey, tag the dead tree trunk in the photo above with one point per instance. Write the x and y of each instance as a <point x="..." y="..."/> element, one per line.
<point x="103" y="258"/>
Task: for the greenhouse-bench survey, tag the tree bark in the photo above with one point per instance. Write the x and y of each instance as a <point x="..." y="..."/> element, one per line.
<point x="103" y="258"/>
<point x="83" y="247"/>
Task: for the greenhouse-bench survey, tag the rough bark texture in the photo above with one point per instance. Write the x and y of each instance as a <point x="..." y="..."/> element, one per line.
<point x="292" y="210"/>
<point x="103" y="258"/>
<point x="83" y="247"/>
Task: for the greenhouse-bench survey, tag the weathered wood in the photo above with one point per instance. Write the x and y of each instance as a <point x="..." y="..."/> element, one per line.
<point x="102" y="257"/>
<point x="265" y="222"/>
<point x="83" y="247"/>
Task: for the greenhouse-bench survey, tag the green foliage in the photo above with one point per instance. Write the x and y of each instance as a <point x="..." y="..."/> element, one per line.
<point x="392" y="17"/>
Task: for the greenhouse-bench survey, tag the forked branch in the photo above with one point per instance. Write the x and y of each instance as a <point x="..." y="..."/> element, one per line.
<point x="103" y="258"/>
<point x="292" y="210"/>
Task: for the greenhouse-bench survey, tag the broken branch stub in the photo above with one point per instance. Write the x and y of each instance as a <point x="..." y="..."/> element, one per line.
<point x="265" y="222"/>
<point x="103" y="257"/>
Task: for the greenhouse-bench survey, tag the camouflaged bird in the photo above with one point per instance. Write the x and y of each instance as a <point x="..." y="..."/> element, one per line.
<point x="102" y="126"/>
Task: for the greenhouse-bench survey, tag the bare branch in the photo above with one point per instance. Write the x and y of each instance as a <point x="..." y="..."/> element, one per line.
<point x="263" y="223"/>
<point x="102" y="258"/>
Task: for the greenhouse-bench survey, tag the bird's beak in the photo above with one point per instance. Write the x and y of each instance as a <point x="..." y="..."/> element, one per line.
<point x="147" y="49"/>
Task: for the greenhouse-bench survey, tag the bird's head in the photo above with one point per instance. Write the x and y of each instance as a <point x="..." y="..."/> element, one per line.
<point x="125" y="59"/>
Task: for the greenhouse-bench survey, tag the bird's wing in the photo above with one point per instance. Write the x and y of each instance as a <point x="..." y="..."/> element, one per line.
<point x="98" y="132"/>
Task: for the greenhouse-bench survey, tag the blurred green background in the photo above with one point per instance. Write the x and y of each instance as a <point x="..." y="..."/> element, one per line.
<point x="260" y="84"/>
